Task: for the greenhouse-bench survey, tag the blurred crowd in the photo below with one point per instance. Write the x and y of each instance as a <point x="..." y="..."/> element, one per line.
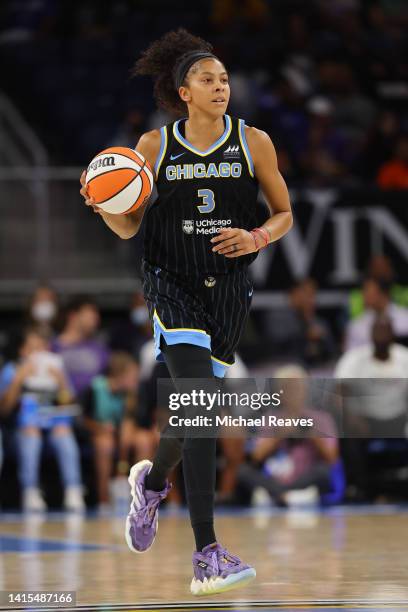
<point x="78" y="394"/>
<point x="326" y="80"/>
<point x="79" y="404"/>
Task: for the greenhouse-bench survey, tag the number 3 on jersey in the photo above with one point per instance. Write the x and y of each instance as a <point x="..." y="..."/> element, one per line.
<point x="208" y="200"/>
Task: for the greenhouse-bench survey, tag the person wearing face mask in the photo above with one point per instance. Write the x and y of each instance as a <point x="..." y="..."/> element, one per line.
<point x="43" y="307"/>
<point x="41" y="311"/>
<point x="132" y="333"/>
<point x="29" y="386"/>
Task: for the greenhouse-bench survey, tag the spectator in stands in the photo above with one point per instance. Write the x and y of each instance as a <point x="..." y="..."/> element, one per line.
<point x="224" y="14"/>
<point x="380" y="358"/>
<point x="374" y="405"/>
<point x="43" y="307"/>
<point x="349" y="51"/>
<point x="377" y="301"/>
<point x="32" y="386"/>
<point x="324" y="155"/>
<point x="381" y="268"/>
<point x="379" y="143"/>
<point x="84" y="355"/>
<point x="294" y="465"/>
<point x="282" y="113"/>
<point x="394" y="173"/>
<point x="354" y="111"/>
<point x="297" y="333"/>
<point x="41" y="311"/>
<point x="110" y="405"/>
<point x="132" y="333"/>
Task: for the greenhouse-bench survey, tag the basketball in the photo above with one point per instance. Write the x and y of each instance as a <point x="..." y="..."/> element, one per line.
<point x="119" y="179"/>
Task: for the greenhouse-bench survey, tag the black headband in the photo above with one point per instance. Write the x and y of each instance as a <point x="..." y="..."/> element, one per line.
<point x="185" y="62"/>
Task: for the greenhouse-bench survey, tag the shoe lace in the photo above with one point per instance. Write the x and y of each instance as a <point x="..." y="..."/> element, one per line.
<point x="222" y="554"/>
<point x="146" y="514"/>
<point x="229" y="559"/>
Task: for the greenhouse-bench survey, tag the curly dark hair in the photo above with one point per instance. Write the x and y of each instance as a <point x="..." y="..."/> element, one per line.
<point x="158" y="61"/>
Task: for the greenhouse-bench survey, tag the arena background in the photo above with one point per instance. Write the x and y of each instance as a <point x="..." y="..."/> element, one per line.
<point x="328" y="81"/>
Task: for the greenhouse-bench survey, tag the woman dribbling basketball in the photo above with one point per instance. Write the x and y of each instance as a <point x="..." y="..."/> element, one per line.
<point x="200" y="239"/>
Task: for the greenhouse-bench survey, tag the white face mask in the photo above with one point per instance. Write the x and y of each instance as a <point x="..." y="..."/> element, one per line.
<point x="43" y="311"/>
<point x="139" y="315"/>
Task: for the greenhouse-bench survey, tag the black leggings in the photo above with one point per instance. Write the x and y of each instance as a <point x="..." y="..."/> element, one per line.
<point x="199" y="454"/>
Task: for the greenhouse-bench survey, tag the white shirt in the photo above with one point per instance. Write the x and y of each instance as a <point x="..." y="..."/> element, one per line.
<point x="381" y="399"/>
<point x="42" y="379"/>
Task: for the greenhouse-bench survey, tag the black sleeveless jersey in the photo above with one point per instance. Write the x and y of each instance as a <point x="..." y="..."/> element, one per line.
<point x="198" y="193"/>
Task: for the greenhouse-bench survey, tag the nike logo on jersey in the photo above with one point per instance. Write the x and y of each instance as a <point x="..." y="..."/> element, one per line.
<point x="250" y="292"/>
<point x="173" y="157"/>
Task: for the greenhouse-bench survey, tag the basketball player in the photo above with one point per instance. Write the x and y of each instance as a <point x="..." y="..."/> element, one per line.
<point x="200" y="239"/>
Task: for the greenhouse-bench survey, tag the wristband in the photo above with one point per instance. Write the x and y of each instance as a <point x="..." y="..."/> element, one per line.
<point x="263" y="233"/>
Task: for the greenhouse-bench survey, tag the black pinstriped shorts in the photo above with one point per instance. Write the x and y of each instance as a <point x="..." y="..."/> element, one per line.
<point x="209" y="311"/>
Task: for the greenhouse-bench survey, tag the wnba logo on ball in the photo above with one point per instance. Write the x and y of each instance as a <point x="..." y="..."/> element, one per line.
<point x="188" y="226"/>
<point x="101" y="162"/>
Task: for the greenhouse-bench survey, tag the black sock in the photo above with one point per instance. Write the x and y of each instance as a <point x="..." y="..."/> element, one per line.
<point x="168" y="455"/>
<point x="199" y="467"/>
<point x="204" y="534"/>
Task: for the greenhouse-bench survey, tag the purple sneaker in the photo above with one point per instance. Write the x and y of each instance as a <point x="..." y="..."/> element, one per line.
<point x="216" y="571"/>
<point x="142" y="520"/>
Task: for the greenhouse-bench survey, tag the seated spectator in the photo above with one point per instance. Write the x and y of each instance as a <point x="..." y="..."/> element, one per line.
<point x="43" y="307"/>
<point x="130" y="334"/>
<point x="297" y="333"/>
<point x="381" y="268"/>
<point x="84" y="355"/>
<point x="377" y="301"/>
<point x="285" y="464"/>
<point x="394" y="173"/>
<point x="381" y="358"/>
<point x="42" y="310"/>
<point x="324" y="155"/>
<point x="110" y="404"/>
<point x="380" y="142"/>
<point x="372" y="406"/>
<point x="37" y="382"/>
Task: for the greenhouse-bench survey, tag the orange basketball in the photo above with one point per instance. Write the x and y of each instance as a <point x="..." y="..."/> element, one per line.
<point x="119" y="179"/>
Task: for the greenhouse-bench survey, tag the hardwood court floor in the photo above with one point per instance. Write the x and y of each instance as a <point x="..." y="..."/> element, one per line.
<point x="324" y="561"/>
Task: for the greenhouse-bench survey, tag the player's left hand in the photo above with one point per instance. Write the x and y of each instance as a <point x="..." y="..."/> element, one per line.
<point x="233" y="242"/>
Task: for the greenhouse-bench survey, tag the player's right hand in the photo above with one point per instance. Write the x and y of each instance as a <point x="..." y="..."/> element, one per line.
<point x="84" y="193"/>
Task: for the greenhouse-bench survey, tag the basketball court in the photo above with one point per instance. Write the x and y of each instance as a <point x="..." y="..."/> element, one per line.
<point x="343" y="559"/>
